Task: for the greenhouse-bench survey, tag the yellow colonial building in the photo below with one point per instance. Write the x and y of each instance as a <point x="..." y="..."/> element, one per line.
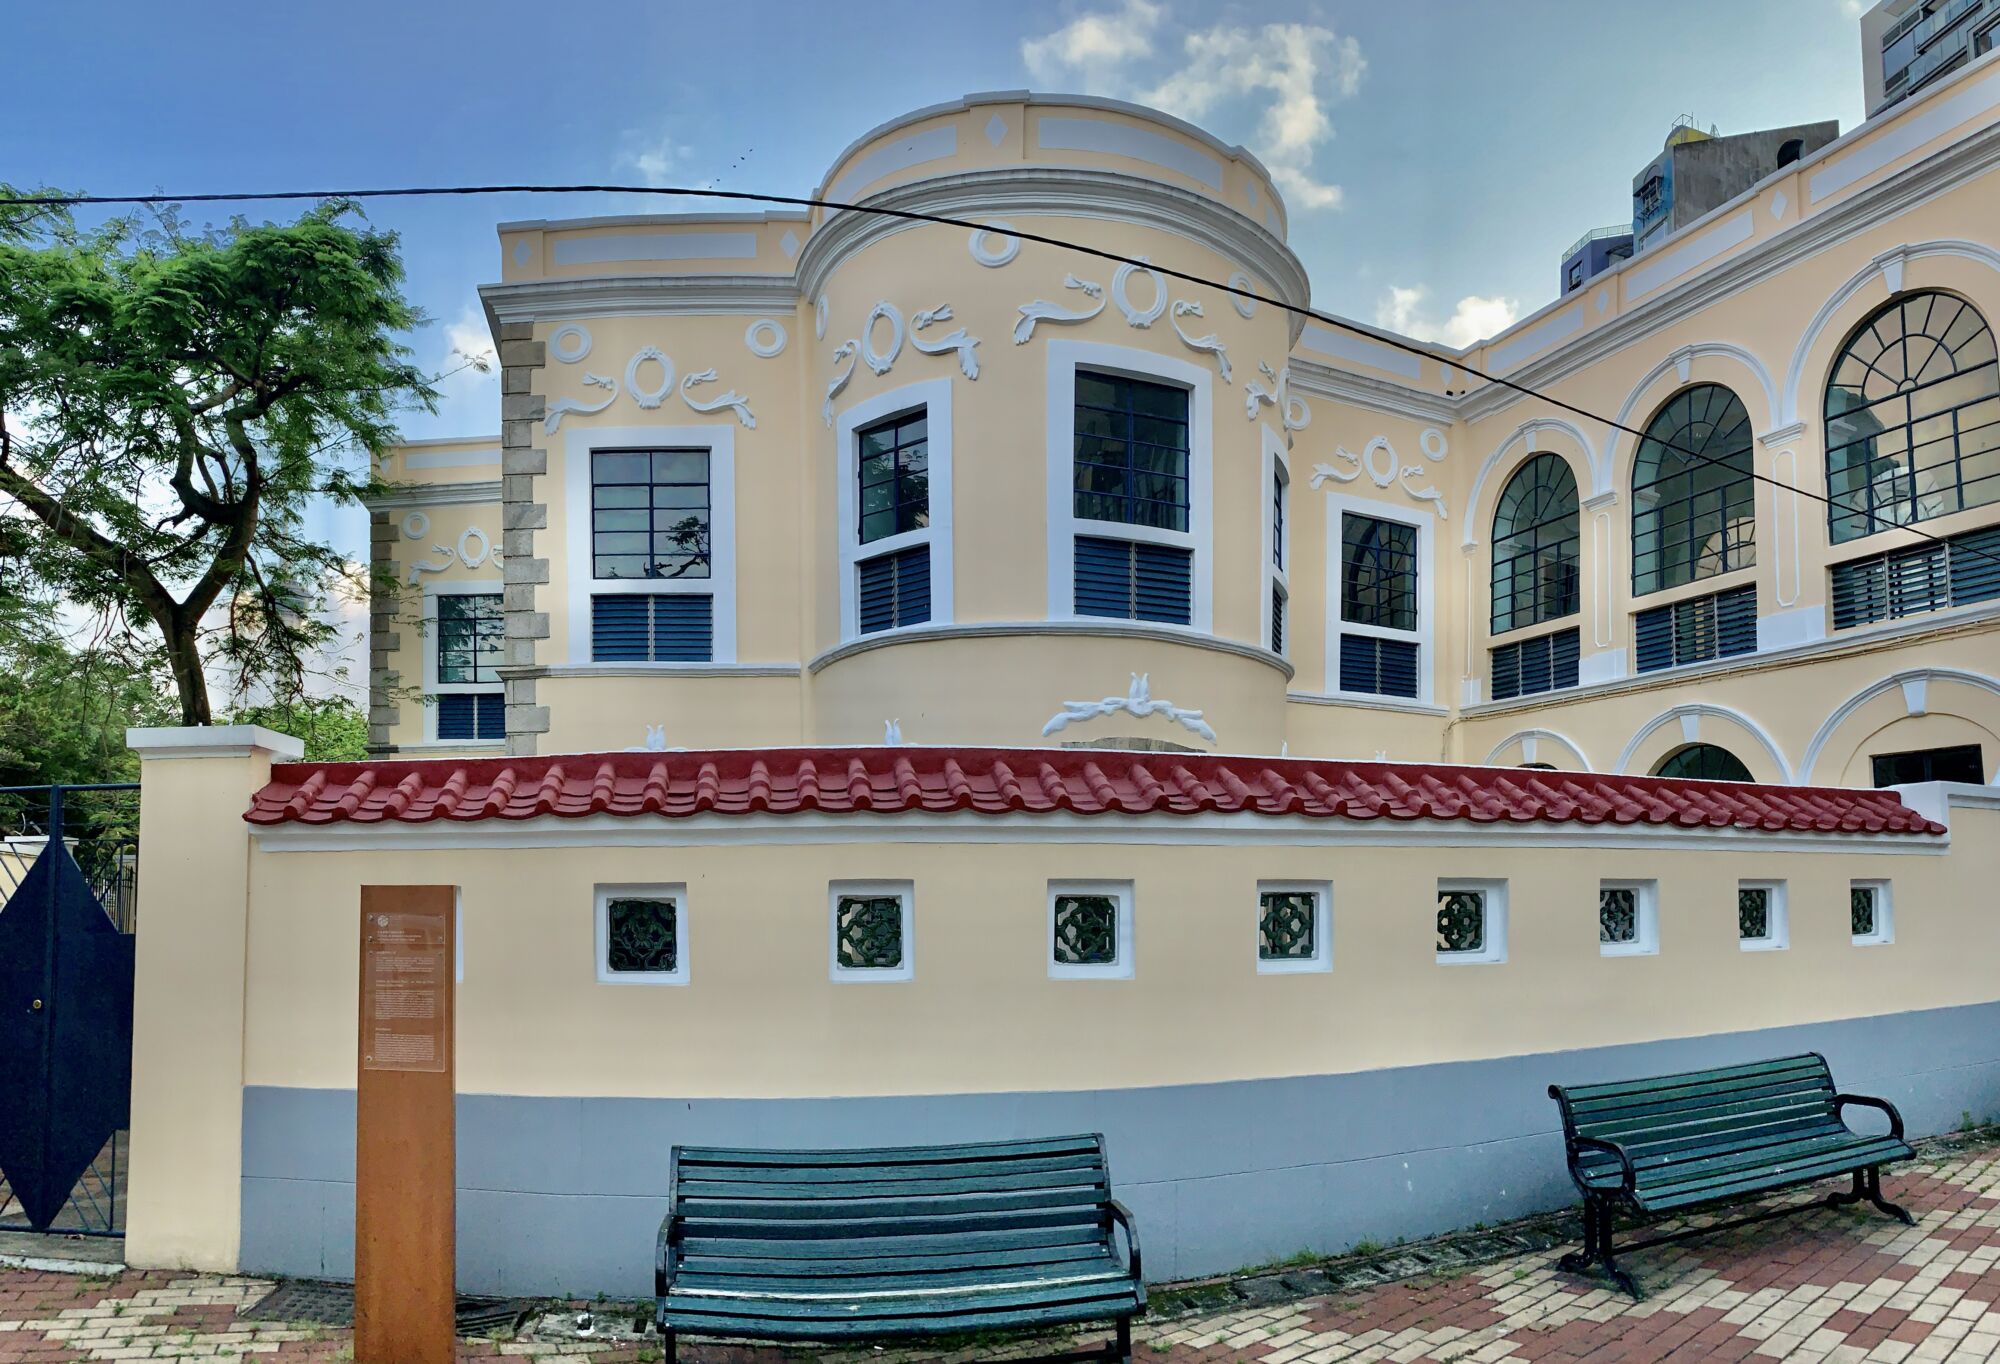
<point x="898" y="681"/>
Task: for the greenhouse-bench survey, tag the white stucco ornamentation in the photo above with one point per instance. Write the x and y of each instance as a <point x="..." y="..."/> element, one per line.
<point x="1041" y="310"/>
<point x="765" y="337"/>
<point x="730" y="398"/>
<point x="416" y="525"/>
<point x="1211" y="343"/>
<point x="1245" y="307"/>
<point x="570" y="342"/>
<point x="993" y="257"/>
<point x="473" y="557"/>
<point x="1138" y="317"/>
<point x="656" y="741"/>
<point x="562" y="407"/>
<point x="850" y="352"/>
<point x="1137" y="702"/>
<point x="1296" y="414"/>
<point x="966" y="345"/>
<point x="879" y="361"/>
<point x="649" y="398"/>
<point x="1435" y="446"/>
<point x="1378" y="459"/>
<point x="445" y="559"/>
<point x="892" y="733"/>
<point x="819" y="319"/>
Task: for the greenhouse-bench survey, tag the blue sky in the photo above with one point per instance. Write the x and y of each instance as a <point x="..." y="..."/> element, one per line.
<point x="1439" y="154"/>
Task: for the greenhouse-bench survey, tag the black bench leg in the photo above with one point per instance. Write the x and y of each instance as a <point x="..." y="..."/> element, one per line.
<point x="670" y="1350"/>
<point x="1121" y="1349"/>
<point x="1868" y="1189"/>
<point x="1597" y="1247"/>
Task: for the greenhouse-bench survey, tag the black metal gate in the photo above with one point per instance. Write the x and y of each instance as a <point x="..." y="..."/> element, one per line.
<point x="69" y="862"/>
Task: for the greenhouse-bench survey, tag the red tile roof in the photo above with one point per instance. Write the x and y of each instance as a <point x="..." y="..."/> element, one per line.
<point x="1007" y="780"/>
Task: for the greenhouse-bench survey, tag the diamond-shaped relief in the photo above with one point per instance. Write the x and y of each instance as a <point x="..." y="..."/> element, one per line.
<point x="996" y="130"/>
<point x="1779" y="204"/>
<point x="522" y="251"/>
<point x="790" y="241"/>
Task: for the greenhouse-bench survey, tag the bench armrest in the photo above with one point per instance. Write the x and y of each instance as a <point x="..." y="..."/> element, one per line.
<point x="1841" y="1101"/>
<point x="667" y="1254"/>
<point x="1122" y="1215"/>
<point x="1577" y="1144"/>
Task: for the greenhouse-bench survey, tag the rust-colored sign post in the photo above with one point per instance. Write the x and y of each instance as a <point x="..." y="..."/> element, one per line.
<point x="405" y="1131"/>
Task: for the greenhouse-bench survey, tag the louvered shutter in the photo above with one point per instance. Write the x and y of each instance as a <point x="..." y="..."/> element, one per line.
<point x="1133" y="580"/>
<point x="895" y="589"/>
<point x="666" y="628"/>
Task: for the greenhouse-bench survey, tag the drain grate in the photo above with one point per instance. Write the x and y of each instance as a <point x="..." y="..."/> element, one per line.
<point x="319" y="1303"/>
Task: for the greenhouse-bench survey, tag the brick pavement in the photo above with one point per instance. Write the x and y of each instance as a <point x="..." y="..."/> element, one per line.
<point x="1829" y="1285"/>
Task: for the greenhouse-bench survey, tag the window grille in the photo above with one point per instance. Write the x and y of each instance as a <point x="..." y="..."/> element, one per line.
<point x="1694" y="512"/>
<point x="1721" y="625"/>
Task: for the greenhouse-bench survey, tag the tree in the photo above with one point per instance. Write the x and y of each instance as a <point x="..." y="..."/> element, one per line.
<point x="171" y="401"/>
<point x="64" y="710"/>
<point x="333" y="728"/>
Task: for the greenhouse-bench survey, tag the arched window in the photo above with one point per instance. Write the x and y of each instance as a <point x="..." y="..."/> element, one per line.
<point x="1694" y="506"/>
<point x="1535" y="545"/>
<point x="1705" y="762"/>
<point x="1912" y="417"/>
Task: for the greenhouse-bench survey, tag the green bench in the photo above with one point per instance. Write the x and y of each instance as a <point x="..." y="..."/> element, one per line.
<point x="905" y="1241"/>
<point x="1677" y="1142"/>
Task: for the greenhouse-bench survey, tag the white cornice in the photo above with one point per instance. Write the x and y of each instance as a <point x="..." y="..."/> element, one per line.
<point x="1063" y="192"/>
<point x="1907" y="189"/>
<point x="561" y="300"/>
<point x="653" y="670"/>
<point x="212" y="741"/>
<point x="1365" y="390"/>
<point x="1020" y="629"/>
<point x="434" y="495"/>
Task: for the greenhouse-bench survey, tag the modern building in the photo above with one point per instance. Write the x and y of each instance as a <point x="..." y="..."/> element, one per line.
<point x="1911" y="45"/>
<point x="1593" y="253"/>
<point x="1696" y="173"/>
<point x="891" y="681"/>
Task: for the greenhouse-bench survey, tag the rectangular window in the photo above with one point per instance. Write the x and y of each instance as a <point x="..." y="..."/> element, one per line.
<point x="1131" y="461"/>
<point x="1134" y="580"/>
<point x="642" y="935"/>
<point x="1528" y="666"/>
<point x="894" y="476"/>
<point x="1294" y="926"/>
<point x="1278" y="604"/>
<point x="1471" y="922"/>
<point x="471" y="633"/>
<point x="1720" y="625"/>
<point x="1961" y="762"/>
<point x="1869" y="914"/>
<point x="1090" y="930"/>
<point x="1628" y="918"/>
<point x="1378" y="667"/>
<point x="1957" y="571"/>
<point x="1278" y="520"/>
<point x="1378" y="592"/>
<point x="894" y="590"/>
<point x="472" y="715"/>
<point x="870" y="926"/>
<point x="649" y="513"/>
<point x="1760" y="916"/>
<point x="643" y="628"/>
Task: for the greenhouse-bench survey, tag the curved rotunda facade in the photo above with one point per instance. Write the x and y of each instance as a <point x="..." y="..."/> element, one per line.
<point x="821" y="478"/>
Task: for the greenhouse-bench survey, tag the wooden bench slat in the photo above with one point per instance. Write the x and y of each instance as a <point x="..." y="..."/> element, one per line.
<point x="1610" y="1108"/>
<point x="877" y="1209"/>
<point x="986" y="1224"/>
<point x="940" y="1306"/>
<point x="695" y="1186"/>
<point x="887" y="1155"/>
<point x="1694" y="1168"/>
<point x="1741" y="1136"/>
<point x="1082" y="1162"/>
<point x="1805" y="1062"/>
<point x="778" y="1267"/>
<point x="919" y="1324"/>
<point x="1766" y="1180"/>
<point x="1038" y="1277"/>
<point x="700" y="1241"/>
<point x="1763" y="1108"/>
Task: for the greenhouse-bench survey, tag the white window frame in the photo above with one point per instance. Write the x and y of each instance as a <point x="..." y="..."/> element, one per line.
<point x="1495" y="891"/>
<point x="1322" y="958"/>
<point x="933" y="398"/>
<point x="1277" y="575"/>
<point x="1885" y="913"/>
<point x="1065" y="358"/>
<point x="1646" y="918"/>
<point x="905" y="894"/>
<point x="482" y="587"/>
<point x="1338" y="507"/>
<point x="1121" y="969"/>
<point x="720" y="442"/>
<point x="603" y="895"/>
<point x="1778" y="936"/>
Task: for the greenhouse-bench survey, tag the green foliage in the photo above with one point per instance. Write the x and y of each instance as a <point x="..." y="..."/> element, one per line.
<point x="173" y="402"/>
<point x="64" y="710"/>
<point x="334" y="729"/>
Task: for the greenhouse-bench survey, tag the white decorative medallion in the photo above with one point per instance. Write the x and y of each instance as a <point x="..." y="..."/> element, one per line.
<point x="1040" y="310"/>
<point x="765" y="337"/>
<point x="1378" y="459"/>
<point x="467" y="555"/>
<point x="879" y="361"/>
<point x="649" y="398"/>
<point x="989" y="255"/>
<point x="1138" y="317"/>
<point x="1137" y="702"/>
<point x="569" y="343"/>
<point x="1245" y="307"/>
<point x="1211" y="343"/>
<point x="416" y="525"/>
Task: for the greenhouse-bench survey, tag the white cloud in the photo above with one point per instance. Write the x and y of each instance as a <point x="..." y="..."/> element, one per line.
<point x="1290" y="72"/>
<point x="654" y="158"/>
<point x="1853" y="9"/>
<point x="1091" y="48"/>
<point x="1474" y="319"/>
<point x="469" y="389"/>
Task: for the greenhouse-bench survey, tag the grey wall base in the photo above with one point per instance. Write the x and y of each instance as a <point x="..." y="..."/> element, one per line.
<point x="563" y="1196"/>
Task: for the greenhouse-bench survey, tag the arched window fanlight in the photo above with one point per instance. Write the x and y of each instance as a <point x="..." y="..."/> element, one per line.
<point x="1704" y="762"/>
<point x="1694" y="503"/>
<point x="1535" y="545"/>
<point x="1912" y="417"/>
